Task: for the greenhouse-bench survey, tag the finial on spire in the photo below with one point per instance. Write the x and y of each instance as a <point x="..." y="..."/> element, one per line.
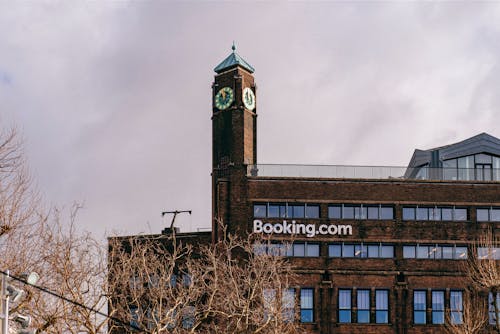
<point x="233" y="47"/>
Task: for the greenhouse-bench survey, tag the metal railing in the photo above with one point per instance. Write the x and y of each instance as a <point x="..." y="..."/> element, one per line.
<point x="374" y="172"/>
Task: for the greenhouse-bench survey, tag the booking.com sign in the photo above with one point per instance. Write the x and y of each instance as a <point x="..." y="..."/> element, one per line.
<point x="310" y="230"/>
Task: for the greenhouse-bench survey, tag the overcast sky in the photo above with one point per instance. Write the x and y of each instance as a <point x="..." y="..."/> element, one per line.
<point x="114" y="101"/>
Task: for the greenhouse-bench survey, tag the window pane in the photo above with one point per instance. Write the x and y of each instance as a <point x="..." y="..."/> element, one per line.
<point x="348" y="251"/>
<point x="373" y="212"/>
<point x="373" y="251"/>
<point x="363" y="304"/>
<point x="432" y="252"/>
<point x="344" y="306"/>
<point x="306" y="305"/>
<point x="274" y="211"/>
<point x="360" y="251"/>
<point x="435" y="213"/>
<point x="483" y="215"/>
<point x="422" y="252"/>
<point x="460" y="214"/>
<point x="447" y="252"/>
<point x="387" y="251"/>
<point x="359" y="212"/>
<point x="437" y="307"/>
<point x="306" y="316"/>
<point x="283" y="213"/>
<point x="386" y="213"/>
<point x="348" y="212"/>
<point x="422" y="213"/>
<point x="312" y="211"/>
<point x="288" y="304"/>
<point x="447" y="214"/>
<point x="312" y="250"/>
<point x="334" y="212"/>
<point x="409" y="252"/>
<point x="382" y="306"/>
<point x="419" y="306"/>
<point x="495" y="215"/>
<point x="461" y="253"/>
<point x="335" y="250"/>
<point x="299" y="250"/>
<point x="456" y="307"/>
<point x="297" y="211"/>
<point x="408" y="213"/>
<point x="450" y="169"/>
<point x="259" y="210"/>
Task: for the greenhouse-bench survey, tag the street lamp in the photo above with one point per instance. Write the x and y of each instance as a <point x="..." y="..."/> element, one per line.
<point x="10" y="293"/>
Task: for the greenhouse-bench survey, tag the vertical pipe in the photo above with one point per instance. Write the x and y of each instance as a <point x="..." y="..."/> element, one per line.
<point x="5" y="304"/>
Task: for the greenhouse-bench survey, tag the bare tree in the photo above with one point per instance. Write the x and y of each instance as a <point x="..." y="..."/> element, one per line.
<point x="161" y="283"/>
<point x="468" y="317"/>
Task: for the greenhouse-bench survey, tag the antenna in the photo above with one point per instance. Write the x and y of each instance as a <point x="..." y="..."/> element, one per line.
<point x="175" y="213"/>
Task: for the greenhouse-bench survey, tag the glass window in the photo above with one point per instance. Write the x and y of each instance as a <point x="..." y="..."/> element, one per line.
<point x="360" y="250"/>
<point x="312" y="211"/>
<point x="273" y="211"/>
<point x="434" y="252"/>
<point x="483" y="158"/>
<point x="419" y="306"/>
<point x="422" y="252"/>
<point x="450" y="169"/>
<point x="483" y="215"/>
<point x="344" y="306"/>
<point x="409" y="252"/>
<point x="363" y="306"/>
<point x="408" y="213"/>
<point x="335" y="250"/>
<point x="348" y="251"/>
<point x="460" y="253"/>
<point x="297" y="211"/>
<point x="259" y="210"/>
<point x="456" y="307"/>
<point x="288" y="305"/>
<point x="348" y="212"/>
<point x="334" y="212"/>
<point x="381" y="306"/>
<point x="447" y="252"/>
<point x="359" y="212"/>
<point x="438" y="307"/>
<point x="134" y="316"/>
<point x="435" y="213"/>
<point x="466" y="168"/>
<point x="306" y="305"/>
<point x="495" y="215"/>
<point x="422" y="214"/>
<point x="447" y="213"/>
<point x="312" y="250"/>
<point x="387" y="251"/>
<point x="496" y="168"/>
<point x="299" y="250"/>
<point x="269" y="300"/>
<point x="373" y="212"/>
<point x="460" y="214"/>
<point x="373" y="251"/>
<point x="386" y="213"/>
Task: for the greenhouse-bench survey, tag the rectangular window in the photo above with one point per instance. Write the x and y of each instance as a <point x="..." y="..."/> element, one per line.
<point x="260" y="210"/>
<point x="483" y="215"/>
<point x="447" y="252"/>
<point x="297" y="211"/>
<point x="348" y="251"/>
<point x="419" y="307"/>
<point x="460" y="214"/>
<point x="359" y="212"/>
<point x="363" y="303"/>
<point x="288" y="305"/>
<point x="422" y="214"/>
<point x="387" y="251"/>
<point x="381" y="306"/>
<point x="306" y="305"/>
<point x="312" y="250"/>
<point x="386" y="213"/>
<point x="269" y="301"/>
<point x="344" y="306"/>
<point x="438" y="307"/>
<point x="422" y="252"/>
<point x="460" y="253"/>
<point x="495" y="215"/>
<point x="491" y="308"/>
<point x="447" y="214"/>
<point x="312" y="211"/>
<point x="409" y="252"/>
<point x="134" y="316"/>
<point x="348" y="212"/>
<point x="373" y="251"/>
<point x="373" y="212"/>
<point x="335" y="250"/>
<point x="360" y="250"/>
<point x="408" y="213"/>
<point x="435" y="214"/>
<point x="273" y="211"/>
<point x="456" y="307"/>
<point x="335" y="212"/>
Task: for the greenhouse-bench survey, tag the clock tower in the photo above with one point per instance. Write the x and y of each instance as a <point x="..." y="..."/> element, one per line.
<point x="234" y="138"/>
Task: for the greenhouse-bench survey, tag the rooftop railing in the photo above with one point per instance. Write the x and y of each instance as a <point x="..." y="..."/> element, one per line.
<point x="374" y="172"/>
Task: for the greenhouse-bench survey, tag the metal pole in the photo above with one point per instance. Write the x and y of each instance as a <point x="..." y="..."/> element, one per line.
<point x="5" y="304"/>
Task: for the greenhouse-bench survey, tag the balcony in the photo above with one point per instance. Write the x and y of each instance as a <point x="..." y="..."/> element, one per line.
<point x="374" y="172"/>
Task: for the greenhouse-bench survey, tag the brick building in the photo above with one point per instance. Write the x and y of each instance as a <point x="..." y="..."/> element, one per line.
<point x="377" y="249"/>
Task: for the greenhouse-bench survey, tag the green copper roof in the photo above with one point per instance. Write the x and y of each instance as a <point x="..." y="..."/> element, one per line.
<point x="233" y="60"/>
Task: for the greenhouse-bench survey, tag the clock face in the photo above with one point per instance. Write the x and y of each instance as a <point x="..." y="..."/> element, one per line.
<point x="248" y="98"/>
<point x="224" y="98"/>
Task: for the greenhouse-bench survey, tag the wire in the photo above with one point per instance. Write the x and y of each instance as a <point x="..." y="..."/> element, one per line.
<point x="121" y="322"/>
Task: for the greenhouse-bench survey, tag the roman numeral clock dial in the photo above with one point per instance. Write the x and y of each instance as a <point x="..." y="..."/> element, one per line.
<point x="224" y="98"/>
